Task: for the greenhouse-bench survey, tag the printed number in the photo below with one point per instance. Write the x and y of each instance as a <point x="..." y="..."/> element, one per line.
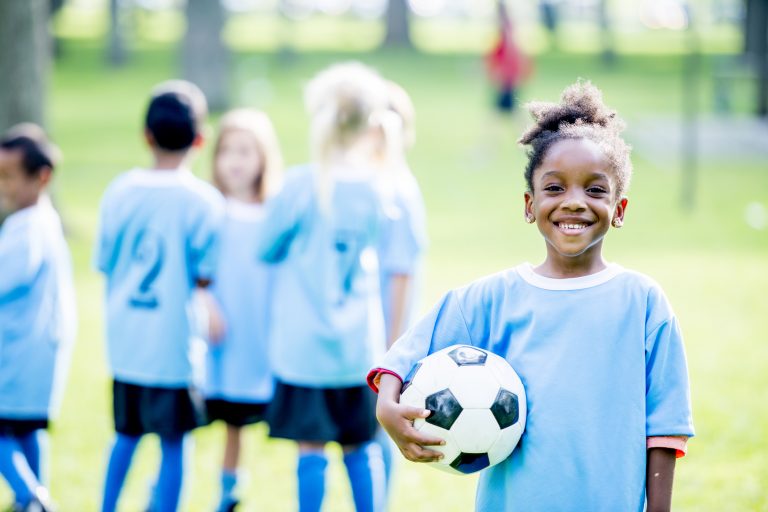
<point x="348" y="245"/>
<point x="148" y="256"/>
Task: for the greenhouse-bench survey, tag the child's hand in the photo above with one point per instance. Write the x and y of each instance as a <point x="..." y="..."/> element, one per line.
<point x="216" y="325"/>
<point x="397" y="420"/>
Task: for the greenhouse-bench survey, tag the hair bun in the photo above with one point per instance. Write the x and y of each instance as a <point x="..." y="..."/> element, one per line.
<point x="580" y="104"/>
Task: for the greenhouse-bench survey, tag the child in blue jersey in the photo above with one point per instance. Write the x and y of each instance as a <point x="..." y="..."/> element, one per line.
<point x="404" y="236"/>
<point x="156" y="245"/>
<point x="239" y="383"/>
<point x="37" y="312"/>
<point x="597" y="347"/>
<point x="323" y="227"/>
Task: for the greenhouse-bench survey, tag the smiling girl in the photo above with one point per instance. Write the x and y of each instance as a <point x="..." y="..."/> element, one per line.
<point x="597" y="346"/>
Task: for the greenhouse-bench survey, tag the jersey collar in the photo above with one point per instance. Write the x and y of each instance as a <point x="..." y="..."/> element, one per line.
<point x="526" y="272"/>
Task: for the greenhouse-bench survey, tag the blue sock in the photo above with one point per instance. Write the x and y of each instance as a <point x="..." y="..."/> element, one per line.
<point x="311" y="481"/>
<point x="228" y="483"/>
<point x="365" y="468"/>
<point x="169" y="481"/>
<point x="386" y="455"/>
<point x="119" y="462"/>
<point x="30" y="447"/>
<point x="16" y="470"/>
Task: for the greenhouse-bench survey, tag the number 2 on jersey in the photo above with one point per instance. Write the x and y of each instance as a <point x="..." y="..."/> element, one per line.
<point x="348" y="246"/>
<point x="147" y="255"/>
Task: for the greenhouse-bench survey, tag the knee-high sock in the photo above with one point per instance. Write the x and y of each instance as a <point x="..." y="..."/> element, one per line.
<point x="387" y="449"/>
<point x="228" y="484"/>
<point x="169" y="481"/>
<point x="365" y="468"/>
<point x="119" y="463"/>
<point x="16" y="470"/>
<point x="311" y="472"/>
<point x="31" y="448"/>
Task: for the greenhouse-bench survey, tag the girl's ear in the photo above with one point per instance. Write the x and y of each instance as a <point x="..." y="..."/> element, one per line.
<point x="618" y="213"/>
<point x="529" y="216"/>
<point x="199" y="141"/>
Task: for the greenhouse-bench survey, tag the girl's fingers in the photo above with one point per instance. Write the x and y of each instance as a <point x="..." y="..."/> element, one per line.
<point x="420" y="438"/>
<point x="414" y="413"/>
<point x="416" y="453"/>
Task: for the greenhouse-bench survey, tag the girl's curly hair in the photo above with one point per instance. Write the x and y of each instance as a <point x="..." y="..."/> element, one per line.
<point x="581" y="114"/>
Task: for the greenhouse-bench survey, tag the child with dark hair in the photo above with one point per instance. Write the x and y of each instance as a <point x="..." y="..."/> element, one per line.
<point x="37" y="312"/>
<point x="597" y="346"/>
<point x="156" y="246"/>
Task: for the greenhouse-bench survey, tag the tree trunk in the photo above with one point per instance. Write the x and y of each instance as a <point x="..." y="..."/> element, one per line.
<point x="24" y="61"/>
<point x="205" y="58"/>
<point x="116" y="52"/>
<point x="398" y="25"/>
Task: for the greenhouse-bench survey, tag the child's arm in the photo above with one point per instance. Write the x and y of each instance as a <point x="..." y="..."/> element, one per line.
<point x="215" y="325"/>
<point x="397" y="420"/>
<point x="659" y="477"/>
<point x="399" y="289"/>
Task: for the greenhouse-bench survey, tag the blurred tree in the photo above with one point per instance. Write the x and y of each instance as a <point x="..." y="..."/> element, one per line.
<point x="606" y="33"/>
<point x="398" y="24"/>
<point x="756" y="48"/>
<point x="116" y="51"/>
<point x="205" y="58"/>
<point x="24" y="59"/>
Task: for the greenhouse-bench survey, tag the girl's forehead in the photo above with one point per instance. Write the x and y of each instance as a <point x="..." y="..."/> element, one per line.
<point x="569" y="156"/>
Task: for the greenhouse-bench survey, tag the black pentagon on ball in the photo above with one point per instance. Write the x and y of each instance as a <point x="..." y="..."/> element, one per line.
<point x="465" y="355"/>
<point x="505" y="408"/>
<point x="409" y="378"/>
<point x="470" y="462"/>
<point x="444" y="407"/>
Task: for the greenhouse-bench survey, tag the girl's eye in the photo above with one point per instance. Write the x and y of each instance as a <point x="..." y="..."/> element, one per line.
<point x="596" y="190"/>
<point x="553" y="188"/>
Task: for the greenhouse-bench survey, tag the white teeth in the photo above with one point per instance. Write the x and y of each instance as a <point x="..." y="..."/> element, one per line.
<point x="573" y="226"/>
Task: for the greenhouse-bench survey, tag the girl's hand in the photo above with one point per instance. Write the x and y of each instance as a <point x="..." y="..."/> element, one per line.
<point x="217" y="326"/>
<point x="397" y="420"/>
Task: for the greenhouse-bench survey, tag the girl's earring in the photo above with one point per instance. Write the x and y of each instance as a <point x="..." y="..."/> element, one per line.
<point x="530" y="219"/>
<point x="617" y="223"/>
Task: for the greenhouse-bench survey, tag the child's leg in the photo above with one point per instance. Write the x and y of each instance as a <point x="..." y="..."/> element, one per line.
<point x="16" y="471"/>
<point x="311" y="472"/>
<point x="365" y="468"/>
<point x="31" y="448"/>
<point x="169" y="481"/>
<point x="119" y="463"/>
<point x="229" y="469"/>
<point x="385" y="443"/>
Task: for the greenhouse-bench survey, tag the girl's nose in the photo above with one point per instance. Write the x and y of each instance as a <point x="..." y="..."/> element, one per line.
<point x="573" y="203"/>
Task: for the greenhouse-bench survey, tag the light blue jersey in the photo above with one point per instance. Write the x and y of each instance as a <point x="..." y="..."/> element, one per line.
<point x="238" y="365"/>
<point x="602" y="361"/>
<point x="403" y="241"/>
<point x="37" y="312"/>
<point x="327" y="324"/>
<point x="157" y="237"/>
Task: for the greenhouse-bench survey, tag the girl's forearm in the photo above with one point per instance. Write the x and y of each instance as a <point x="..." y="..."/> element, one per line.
<point x="659" y="477"/>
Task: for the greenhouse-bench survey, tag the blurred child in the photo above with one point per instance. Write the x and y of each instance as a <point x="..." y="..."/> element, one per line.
<point x="507" y="65"/>
<point x="158" y="230"/>
<point x="239" y="383"/>
<point x="404" y="236"/>
<point x="327" y="320"/>
<point x="37" y="312"/>
<point x="597" y="346"/>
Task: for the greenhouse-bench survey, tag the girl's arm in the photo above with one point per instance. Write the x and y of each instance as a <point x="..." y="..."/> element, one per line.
<point x="400" y="289"/>
<point x="397" y="420"/>
<point x="659" y="477"/>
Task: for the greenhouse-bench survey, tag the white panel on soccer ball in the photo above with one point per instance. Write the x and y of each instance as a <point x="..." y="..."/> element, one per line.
<point x="435" y="373"/>
<point x="475" y="431"/>
<point x="474" y="387"/>
<point x="450" y="449"/>
<point x="413" y="397"/>
<point x="506" y="443"/>
<point x="506" y="376"/>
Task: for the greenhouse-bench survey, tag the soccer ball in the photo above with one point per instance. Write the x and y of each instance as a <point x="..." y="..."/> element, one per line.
<point x="477" y="405"/>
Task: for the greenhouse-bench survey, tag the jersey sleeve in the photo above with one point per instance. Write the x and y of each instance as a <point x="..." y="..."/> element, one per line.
<point x="204" y="240"/>
<point x="667" y="398"/>
<point x="20" y="261"/>
<point x="283" y="214"/>
<point x="444" y="326"/>
<point x="401" y="242"/>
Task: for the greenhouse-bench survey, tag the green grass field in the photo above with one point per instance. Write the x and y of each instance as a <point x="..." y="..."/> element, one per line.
<point x="710" y="262"/>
